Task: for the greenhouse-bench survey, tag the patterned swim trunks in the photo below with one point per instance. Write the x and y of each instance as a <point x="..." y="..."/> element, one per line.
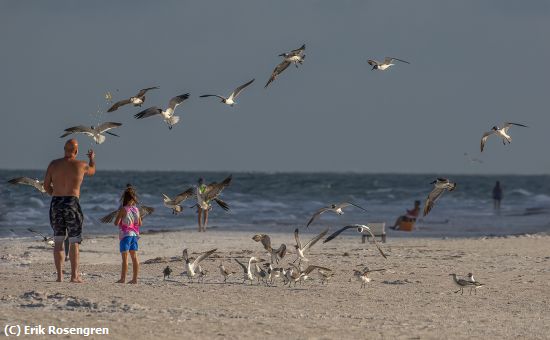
<point x="66" y="218"/>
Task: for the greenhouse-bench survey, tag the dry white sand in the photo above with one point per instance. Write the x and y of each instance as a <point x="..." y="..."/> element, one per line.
<point x="414" y="298"/>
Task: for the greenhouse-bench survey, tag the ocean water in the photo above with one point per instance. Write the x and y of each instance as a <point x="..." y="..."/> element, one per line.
<point x="280" y="202"/>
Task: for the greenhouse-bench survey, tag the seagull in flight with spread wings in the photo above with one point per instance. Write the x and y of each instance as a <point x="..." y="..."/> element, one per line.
<point x="33" y="182"/>
<point x="360" y="228"/>
<point x="136" y="100"/>
<point x="231" y="99"/>
<point x="440" y="186"/>
<point x="168" y="114"/>
<point x="295" y="57"/>
<point x="387" y="63"/>
<point x="95" y="132"/>
<point x="336" y="208"/>
<point x="501" y="132"/>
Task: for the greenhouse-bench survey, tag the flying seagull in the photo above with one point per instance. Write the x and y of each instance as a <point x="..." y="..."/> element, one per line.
<point x="302" y="249"/>
<point x="362" y="275"/>
<point x="501" y="132"/>
<point x="192" y="268"/>
<point x="46" y="239"/>
<point x="95" y="132"/>
<point x="231" y="99"/>
<point x="136" y="100"/>
<point x="175" y="203"/>
<point x="168" y="114"/>
<point x="440" y="185"/>
<point x="388" y="61"/>
<point x="293" y="57"/>
<point x="211" y="193"/>
<point x="360" y="228"/>
<point x="297" y="274"/>
<point x="337" y="208"/>
<point x="143" y="211"/>
<point x="276" y="254"/>
<point x="33" y="182"/>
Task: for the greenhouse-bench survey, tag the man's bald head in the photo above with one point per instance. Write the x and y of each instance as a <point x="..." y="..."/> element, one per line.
<point x="71" y="148"/>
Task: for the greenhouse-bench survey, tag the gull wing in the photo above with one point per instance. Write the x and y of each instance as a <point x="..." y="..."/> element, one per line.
<point x="315" y="240"/>
<point x="374" y="240"/>
<point x="316" y="215"/>
<point x="107" y="126"/>
<point x="508" y="125"/>
<point x="311" y="268"/>
<point x="347" y="204"/>
<point x="183" y="196"/>
<point x="80" y="128"/>
<point x="145" y="211"/>
<point x="175" y="101"/>
<point x="239" y="89"/>
<point x="277" y="70"/>
<point x="484" y="138"/>
<point x="203" y="256"/>
<point x="142" y="92"/>
<point x="109" y="217"/>
<point x="432" y="198"/>
<point x="298" y="50"/>
<point x="266" y="241"/>
<point x="388" y="60"/>
<point x="297" y="238"/>
<point x="39" y="185"/>
<point x="212" y="95"/>
<point x="119" y="104"/>
<point x="373" y="62"/>
<point x="213" y="190"/>
<point x="152" y="111"/>
<point x="242" y="265"/>
<point x="338" y="232"/>
<point x="39" y="233"/>
<point x="222" y="204"/>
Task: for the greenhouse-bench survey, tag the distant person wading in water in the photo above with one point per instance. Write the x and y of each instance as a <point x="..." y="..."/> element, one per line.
<point x="63" y="179"/>
<point x="497" y="196"/>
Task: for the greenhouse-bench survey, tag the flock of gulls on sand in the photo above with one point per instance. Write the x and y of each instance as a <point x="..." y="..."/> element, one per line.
<point x="294" y="273"/>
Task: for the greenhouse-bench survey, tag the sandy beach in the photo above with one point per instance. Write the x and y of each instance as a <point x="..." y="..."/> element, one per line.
<point x="413" y="298"/>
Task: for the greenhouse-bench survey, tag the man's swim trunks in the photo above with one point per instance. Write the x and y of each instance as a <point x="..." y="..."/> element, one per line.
<point x="66" y="218"/>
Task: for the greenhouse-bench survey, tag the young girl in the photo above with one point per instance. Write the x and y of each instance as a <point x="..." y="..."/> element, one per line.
<point x="128" y="220"/>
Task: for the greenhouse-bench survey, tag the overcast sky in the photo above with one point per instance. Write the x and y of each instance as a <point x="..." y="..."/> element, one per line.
<point x="473" y="64"/>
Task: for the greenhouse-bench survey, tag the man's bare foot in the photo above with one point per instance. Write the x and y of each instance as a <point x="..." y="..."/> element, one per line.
<point x="76" y="280"/>
<point x="121" y="281"/>
<point x="133" y="282"/>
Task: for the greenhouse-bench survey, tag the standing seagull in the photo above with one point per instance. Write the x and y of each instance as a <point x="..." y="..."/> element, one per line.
<point x="337" y="208"/>
<point x="33" y="182"/>
<point x="388" y="61"/>
<point x="231" y="99"/>
<point x="276" y="254"/>
<point x="225" y="273"/>
<point x="461" y="283"/>
<point x="440" y="185"/>
<point x="362" y="275"/>
<point x="360" y="228"/>
<point x="168" y="114"/>
<point x="193" y="268"/>
<point x="301" y="250"/>
<point x="136" y="100"/>
<point x="94" y="132"/>
<point x="502" y="132"/>
<point x="476" y="283"/>
<point x="175" y="204"/>
<point x="295" y="57"/>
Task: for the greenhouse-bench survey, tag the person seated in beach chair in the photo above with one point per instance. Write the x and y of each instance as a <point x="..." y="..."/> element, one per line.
<point x="409" y="217"/>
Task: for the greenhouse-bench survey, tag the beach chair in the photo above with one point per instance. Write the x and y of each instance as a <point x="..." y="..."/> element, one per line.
<point x="378" y="229"/>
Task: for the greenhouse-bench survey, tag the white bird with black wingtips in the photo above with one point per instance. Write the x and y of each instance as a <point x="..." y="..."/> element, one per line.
<point x="360" y="229"/>
<point x="302" y="249"/>
<point x="95" y="132"/>
<point x="33" y="182"/>
<point x="192" y="269"/>
<point x="168" y="115"/>
<point x="336" y="208"/>
<point x="440" y="186"/>
<point x="230" y="100"/>
<point x="501" y="132"/>
<point x="384" y="65"/>
<point x="136" y="100"/>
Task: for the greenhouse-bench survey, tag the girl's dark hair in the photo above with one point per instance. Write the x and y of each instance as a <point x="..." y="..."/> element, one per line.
<point x="129" y="195"/>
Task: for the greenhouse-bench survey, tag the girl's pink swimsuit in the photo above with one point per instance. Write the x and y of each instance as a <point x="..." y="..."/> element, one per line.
<point x="129" y="225"/>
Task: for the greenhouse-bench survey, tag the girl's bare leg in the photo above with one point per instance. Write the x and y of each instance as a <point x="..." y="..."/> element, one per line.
<point x="124" y="270"/>
<point x="135" y="266"/>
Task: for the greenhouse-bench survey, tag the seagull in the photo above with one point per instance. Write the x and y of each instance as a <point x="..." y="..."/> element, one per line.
<point x="168" y="114"/>
<point x="33" y="182"/>
<point x="297" y="274"/>
<point x="175" y="203"/>
<point x="362" y="275"/>
<point x="95" y="132"/>
<point x="337" y="208"/>
<point x="360" y="228"/>
<point x="136" y="100"/>
<point x="225" y="273"/>
<point x="261" y="274"/>
<point x="167" y="271"/>
<point x="248" y="275"/>
<point x="212" y="191"/>
<point x="301" y="250"/>
<point x="193" y="268"/>
<point x="274" y="273"/>
<point x="293" y="57"/>
<point x="143" y="211"/>
<point x="325" y="275"/>
<point x="231" y="99"/>
<point x="202" y="274"/>
<point x="46" y="239"/>
<point x="276" y="254"/>
<point x="440" y="185"/>
<point x="501" y="132"/>
<point x="388" y="61"/>
<point x="476" y="283"/>
<point x="296" y="56"/>
<point x="461" y="283"/>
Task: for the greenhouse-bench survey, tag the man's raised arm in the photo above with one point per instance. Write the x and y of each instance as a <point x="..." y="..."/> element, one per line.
<point x="90" y="169"/>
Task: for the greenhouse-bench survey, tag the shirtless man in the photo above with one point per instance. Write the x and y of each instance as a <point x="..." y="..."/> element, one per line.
<point x="63" y="179"/>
